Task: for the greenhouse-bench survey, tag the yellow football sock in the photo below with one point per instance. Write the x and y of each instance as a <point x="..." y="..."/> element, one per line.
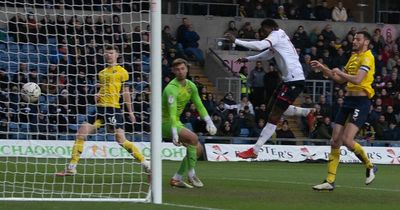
<point x="133" y="150"/>
<point x="333" y="163"/>
<point x="360" y="153"/>
<point x="77" y="150"/>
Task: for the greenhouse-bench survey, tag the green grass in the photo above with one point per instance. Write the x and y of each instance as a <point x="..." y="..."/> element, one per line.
<point x="228" y="185"/>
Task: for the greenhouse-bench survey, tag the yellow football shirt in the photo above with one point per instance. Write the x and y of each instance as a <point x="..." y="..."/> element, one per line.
<point x="364" y="61"/>
<point x="111" y="80"/>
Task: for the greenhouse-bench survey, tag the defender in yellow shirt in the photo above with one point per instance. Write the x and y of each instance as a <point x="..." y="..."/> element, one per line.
<point x="108" y="112"/>
<point x="359" y="75"/>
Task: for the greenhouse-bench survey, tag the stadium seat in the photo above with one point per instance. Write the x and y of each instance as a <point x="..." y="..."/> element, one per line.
<point x="110" y="137"/>
<point x="43" y="68"/>
<point x="3" y="47"/>
<point x="52" y="40"/>
<point x="23" y="127"/>
<point x="43" y="49"/>
<point x="13" y="67"/>
<point x="22" y="57"/>
<point x="33" y="58"/>
<point x="81" y="118"/>
<point x="13" y="47"/>
<point x="28" y="48"/>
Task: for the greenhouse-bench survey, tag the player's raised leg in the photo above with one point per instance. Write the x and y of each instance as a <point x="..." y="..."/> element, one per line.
<point x="131" y="148"/>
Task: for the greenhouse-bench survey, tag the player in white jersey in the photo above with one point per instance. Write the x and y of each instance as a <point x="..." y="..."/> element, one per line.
<point x="277" y="45"/>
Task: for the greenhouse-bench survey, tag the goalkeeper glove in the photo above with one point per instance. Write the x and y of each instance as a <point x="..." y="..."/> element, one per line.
<point x="175" y="138"/>
<point x="212" y="130"/>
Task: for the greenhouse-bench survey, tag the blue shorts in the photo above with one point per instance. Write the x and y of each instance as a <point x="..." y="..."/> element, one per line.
<point x="355" y="110"/>
<point x="109" y="116"/>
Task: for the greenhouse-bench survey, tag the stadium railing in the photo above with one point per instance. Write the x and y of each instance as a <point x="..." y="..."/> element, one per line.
<point x="188" y="8"/>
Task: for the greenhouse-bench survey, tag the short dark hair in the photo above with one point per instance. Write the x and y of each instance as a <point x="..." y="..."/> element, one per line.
<point x="366" y="34"/>
<point x="179" y="61"/>
<point x="112" y="47"/>
<point x="270" y="23"/>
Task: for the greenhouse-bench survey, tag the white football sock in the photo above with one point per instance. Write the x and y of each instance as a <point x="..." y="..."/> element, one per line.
<point x="191" y="173"/>
<point x="177" y="176"/>
<point x="266" y="133"/>
<point x="296" y="111"/>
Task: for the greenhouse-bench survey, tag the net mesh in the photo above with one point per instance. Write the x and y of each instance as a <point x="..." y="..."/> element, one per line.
<point x="60" y="46"/>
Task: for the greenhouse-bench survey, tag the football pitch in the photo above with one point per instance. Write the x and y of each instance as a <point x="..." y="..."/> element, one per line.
<point x="253" y="185"/>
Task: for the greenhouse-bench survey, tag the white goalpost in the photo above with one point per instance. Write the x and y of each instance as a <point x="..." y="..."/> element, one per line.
<point x="61" y="48"/>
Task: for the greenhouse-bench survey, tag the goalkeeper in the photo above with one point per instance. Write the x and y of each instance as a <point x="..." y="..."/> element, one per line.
<point x="108" y="111"/>
<point x="174" y="99"/>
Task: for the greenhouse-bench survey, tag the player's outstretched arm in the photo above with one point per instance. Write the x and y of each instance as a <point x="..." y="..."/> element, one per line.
<point x="253" y="45"/>
<point x="328" y="72"/>
<point x="355" y="79"/>
<point x="264" y="55"/>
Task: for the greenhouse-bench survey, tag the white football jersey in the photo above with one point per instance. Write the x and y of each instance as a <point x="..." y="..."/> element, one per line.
<point x="285" y="56"/>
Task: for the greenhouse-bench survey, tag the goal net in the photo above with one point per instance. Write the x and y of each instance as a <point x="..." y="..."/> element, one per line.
<point x="60" y="46"/>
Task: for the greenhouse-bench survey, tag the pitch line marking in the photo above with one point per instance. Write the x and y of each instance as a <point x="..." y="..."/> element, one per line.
<point x="189" y="206"/>
<point x="309" y="184"/>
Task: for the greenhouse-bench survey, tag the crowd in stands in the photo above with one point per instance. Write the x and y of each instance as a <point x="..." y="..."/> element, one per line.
<point x="247" y="117"/>
<point x="63" y="55"/>
<point x="69" y="81"/>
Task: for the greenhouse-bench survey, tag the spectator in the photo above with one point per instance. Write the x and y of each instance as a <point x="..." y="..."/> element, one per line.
<point x="230" y="104"/>
<point x="366" y="133"/>
<point x="315" y="74"/>
<point x="167" y="37"/>
<point x="280" y="14"/>
<point x="392" y="133"/>
<point x="257" y="130"/>
<point x="262" y="113"/>
<point x="290" y="9"/>
<point x="221" y="110"/>
<point x="339" y="61"/>
<point x="248" y="6"/>
<point x="338" y="104"/>
<point x="380" y="126"/>
<point x="272" y="8"/>
<point x="339" y="13"/>
<point x="272" y="79"/>
<point x="323" y="12"/>
<point x="243" y="11"/>
<point x="313" y="36"/>
<point x="306" y="65"/>
<point x="248" y="119"/>
<point x="243" y="75"/>
<point x="232" y="28"/>
<point x="323" y="130"/>
<point x="191" y="45"/>
<point x="329" y="34"/>
<point x="374" y="114"/>
<point x="306" y="11"/>
<point x="247" y="32"/>
<point x="180" y="32"/>
<point x="300" y="39"/>
<point x="326" y="108"/>
<point x="17" y="28"/>
<point x="4" y="81"/>
<point x="245" y="103"/>
<point x="256" y="83"/>
<point x="390" y="117"/>
<point x="259" y="11"/>
<point x="285" y="133"/>
<point x="188" y="120"/>
<point x="210" y="104"/>
<point x="234" y="123"/>
<point x="225" y="130"/>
